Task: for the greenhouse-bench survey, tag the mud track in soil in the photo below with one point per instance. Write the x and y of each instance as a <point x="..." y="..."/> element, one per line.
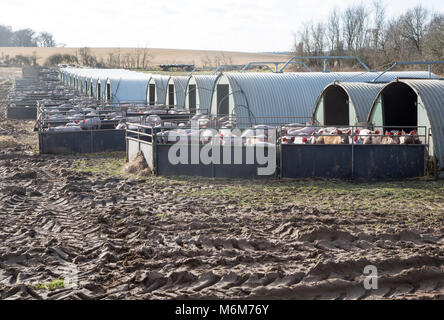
<point x="144" y="238"/>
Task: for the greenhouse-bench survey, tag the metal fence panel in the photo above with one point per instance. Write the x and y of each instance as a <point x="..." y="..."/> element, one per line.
<point x="165" y="168"/>
<point x="22" y="113"/>
<point x="316" y="161"/>
<point x="389" y="161"/>
<point x="82" y="141"/>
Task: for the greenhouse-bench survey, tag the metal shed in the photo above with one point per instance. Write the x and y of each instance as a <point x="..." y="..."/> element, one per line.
<point x="413" y="103"/>
<point x="157" y="90"/>
<point x="176" y="91"/>
<point x="199" y="92"/>
<point x="280" y="98"/>
<point x="128" y="87"/>
<point x="345" y="103"/>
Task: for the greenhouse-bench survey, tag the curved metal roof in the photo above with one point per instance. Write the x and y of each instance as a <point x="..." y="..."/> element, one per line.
<point x="280" y="97"/>
<point x="180" y="86"/>
<point x="161" y="83"/>
<point x="129" y="88"/>
<point x="205" y="85"/>
<point x="431" y="93"/>
<point x="361" y="94"/>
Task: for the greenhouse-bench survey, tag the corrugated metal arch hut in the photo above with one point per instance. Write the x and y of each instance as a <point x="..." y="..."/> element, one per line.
<point x="130" y="88"/>
<point x="176" y="91"/>
<point x="345" y="103"/>
<point x="413" y="103"/>
<point x="277" y="98"/>
<point x="157" y="90"/>
<point x="199" y="92"/>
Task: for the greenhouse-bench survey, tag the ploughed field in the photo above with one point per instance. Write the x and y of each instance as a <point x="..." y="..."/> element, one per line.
<point x="145" y="237"/>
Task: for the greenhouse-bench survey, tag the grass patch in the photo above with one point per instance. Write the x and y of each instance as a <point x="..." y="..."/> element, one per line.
<point x="402" y="198"/>
<point x="8" y="142"/>
<point x="51" y="286"/>
<point x="388" y="197"/>
<point x="106" y="163"/>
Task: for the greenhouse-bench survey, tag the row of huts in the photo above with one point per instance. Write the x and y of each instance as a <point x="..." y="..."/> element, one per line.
<point x="390" y="99"/>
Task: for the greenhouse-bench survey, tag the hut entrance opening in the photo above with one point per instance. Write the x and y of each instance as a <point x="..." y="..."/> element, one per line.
<point x="222" y="99"/>
<point x="400" y="107"/>
<point x="171" y="95"/>
<point x="108" y="91"/>
<point x="192" y="97"/>
<point x="152" y="94"/>
<point x="99" y="91"/>
<point x="336" y="107"/>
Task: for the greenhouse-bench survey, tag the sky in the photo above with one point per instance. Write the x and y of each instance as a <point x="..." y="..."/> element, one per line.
<point x="231" y="25"/>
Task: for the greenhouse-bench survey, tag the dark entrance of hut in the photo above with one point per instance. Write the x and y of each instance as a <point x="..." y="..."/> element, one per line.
<point x="192" y="97"/>
<point x="336" y="107"/>
<point x="108" y="91"/>
<point x="171" y="95"/>
<point x="399" y="107"/>
<point x="222" y="99"/>
<point x="152" y="94"/>
<point x="99" y="91"/>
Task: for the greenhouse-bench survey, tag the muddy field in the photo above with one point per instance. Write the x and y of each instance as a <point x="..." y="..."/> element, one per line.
<point x="122" y="236"/>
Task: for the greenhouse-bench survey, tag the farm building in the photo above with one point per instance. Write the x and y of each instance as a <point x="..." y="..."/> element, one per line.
<point x="127" y="88"/>
<point x="345" y="103"/>
<point x="157" y="90"/>
<point x="198" y="93"/>
<point x="277" y="98"/>
<point x="412" y="104"/>
<point x="176" y="91"/>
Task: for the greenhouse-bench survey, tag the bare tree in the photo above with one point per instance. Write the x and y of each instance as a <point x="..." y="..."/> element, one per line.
<point x="413" y="26"/>
<point x="434" y="40"/>
<point x="86" y="57"/>
<point x="45" y="39"/>
<point x="379" y="16"/>
<point x="318" y="36"/>
<point x="333" y="30"/>
<point x="354" y="24"/>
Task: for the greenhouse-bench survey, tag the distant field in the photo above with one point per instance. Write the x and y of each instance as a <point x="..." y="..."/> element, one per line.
<point x="158" y="56"/>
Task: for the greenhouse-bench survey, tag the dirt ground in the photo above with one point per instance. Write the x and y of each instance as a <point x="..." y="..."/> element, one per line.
<point x="121" y="236"/>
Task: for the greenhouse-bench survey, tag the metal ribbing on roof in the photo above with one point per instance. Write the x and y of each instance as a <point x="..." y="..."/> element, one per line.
<point x="431" y="93"/>
<point x="361" y="95"/>
<point x="205" y="85"/>
<point x="283" y="97"/>
<point x="161" y="83"/>
<point x="128" y="87"/>
<point x="180" y="87"/>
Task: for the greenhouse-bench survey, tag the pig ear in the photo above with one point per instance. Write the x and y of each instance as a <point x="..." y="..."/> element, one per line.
<point x="339" y="132"/>
<point x="284" y="139"/>
<point x="412" y="133"/>
<point x="355" y="138"/>
<point x="293" y="138"/>
<point x="377" y="132"/>
<point x="304" y="140"/>
<point x="387" y="133"/>
<point x="403" y="132"/>
<point x="358" y="131"/>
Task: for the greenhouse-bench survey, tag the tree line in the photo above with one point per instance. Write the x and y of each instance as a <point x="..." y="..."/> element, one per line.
<point x="25" y="38"/>
<point x="365" y="31"/>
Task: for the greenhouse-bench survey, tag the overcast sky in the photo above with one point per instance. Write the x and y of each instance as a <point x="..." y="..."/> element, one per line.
<point x="237" y="25"/>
